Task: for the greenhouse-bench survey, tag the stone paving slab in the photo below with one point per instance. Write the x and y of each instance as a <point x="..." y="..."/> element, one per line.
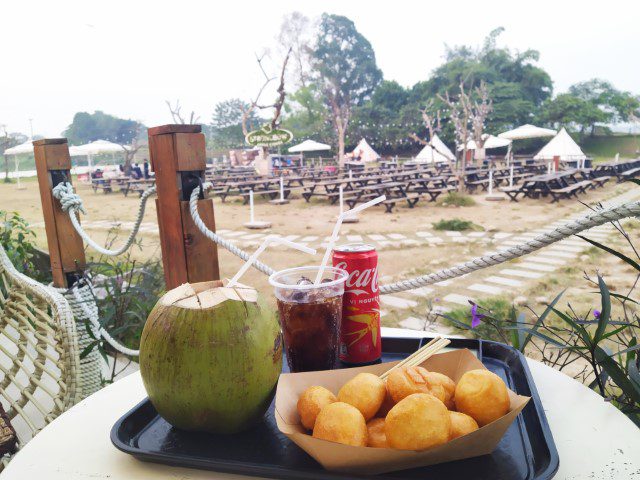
<point x="509" y="282"/>
<point x="376" y="237"/>
<point x="552" y="253"/>
<point x="354" y="238"/>
<point x="420" y="292"/>
<point x="396" y="236"/>
<point x="457" y="298"/>
<point x="520" y="273"/>
<point x="481" y="287"/>
<point x="537" y="266"/>
<point x="423" y="234"/>
<point x="550" y="261"/>
<point x="398" y="302"/>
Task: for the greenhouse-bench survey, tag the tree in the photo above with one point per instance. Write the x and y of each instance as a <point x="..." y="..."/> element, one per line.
<point x="88" y="127"/>
<point x="468" y="115"/>
<point x="615" y="105"/>
<point x="306" y="114"/>
<point x="517" y="86"/>
<point x="176" y="114"/>
<point x="295" y="34"/>
<point x="345" y="68"/>
<point x="569" y="110"/>
<point x="226" y="123"/>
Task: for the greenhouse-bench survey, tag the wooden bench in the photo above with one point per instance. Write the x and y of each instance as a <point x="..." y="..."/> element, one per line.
<point x="271" y="194"/>
<point x="599" y="181"/>
<point x="104" y="185"/>
<point x="571" y="190"/>
<point x="473" y="185"/>
<point x="633" y="173"/>
<point x="434" y="193"/>
<point x="513" y="192"/>
<point x="411" y="199"/>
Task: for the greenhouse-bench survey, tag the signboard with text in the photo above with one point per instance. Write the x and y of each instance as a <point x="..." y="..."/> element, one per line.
<point x="268" y="137"/>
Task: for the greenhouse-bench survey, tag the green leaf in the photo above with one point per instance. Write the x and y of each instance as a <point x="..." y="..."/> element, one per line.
<point x="87" y="350"/>
<point x="621" y="256"/>
<point x="628" y="387"/>
<point x="579" y="329"/>
<point x="633" y="348"/>
<point x="542" y="336"/>
<point x="624" y="297"/>
<point x="605" y="311"/>
<point x="613" y="332"/>
<point x="541" y="319"/>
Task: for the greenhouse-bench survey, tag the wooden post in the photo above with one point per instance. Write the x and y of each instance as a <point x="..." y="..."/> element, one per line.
<point x="66" y="249"/>
<point x="178" y="158"/>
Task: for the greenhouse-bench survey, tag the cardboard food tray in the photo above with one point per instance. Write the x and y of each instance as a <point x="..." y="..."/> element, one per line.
<point x="526" y="451"/>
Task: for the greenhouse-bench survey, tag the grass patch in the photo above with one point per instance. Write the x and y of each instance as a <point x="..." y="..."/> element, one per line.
<point x="456" y="225"/>
<point x="456" y="199"/>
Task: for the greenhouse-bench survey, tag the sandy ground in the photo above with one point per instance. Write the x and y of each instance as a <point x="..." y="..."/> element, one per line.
<point x="316" y="218"/>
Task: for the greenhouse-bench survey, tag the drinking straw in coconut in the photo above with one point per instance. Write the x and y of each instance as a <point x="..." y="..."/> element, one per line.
<point x="336" y="229"/>
<point x="270" y="240"/>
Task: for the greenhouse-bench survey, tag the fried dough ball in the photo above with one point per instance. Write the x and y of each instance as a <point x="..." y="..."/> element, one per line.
<point x="482" y="395"/>
<point x="376" y="433"/>
<point x="387" y="404"/>
<point x="342" y="423"/>
<point x="405" y="381"/>
<point x="311" y="402"/>
<point x="366" y="392"/>
<point x="418" y="422"/>
<point x="461" y="424"/>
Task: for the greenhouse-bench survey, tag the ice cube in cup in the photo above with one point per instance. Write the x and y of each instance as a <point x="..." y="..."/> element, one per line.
<point x="317" y="308"/>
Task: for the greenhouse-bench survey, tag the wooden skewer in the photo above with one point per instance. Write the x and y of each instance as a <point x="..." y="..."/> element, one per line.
<point x="419" y="356"/>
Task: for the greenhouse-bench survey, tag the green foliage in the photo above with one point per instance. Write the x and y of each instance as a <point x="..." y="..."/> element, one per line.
<point x="18" y="240"/>
<point x="605" y="345"/>
<point x="345" y="70"/>
<point x="456" y="225"/>
<point x="456" y="199"/>
<point x="588" y="103"/>
<point x="226" y="123"/>
<point x="88" y="127"/>
<point x="306" y="114"/>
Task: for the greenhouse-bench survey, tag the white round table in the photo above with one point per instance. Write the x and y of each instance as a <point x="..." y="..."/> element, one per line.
<point x="594" y="440"/>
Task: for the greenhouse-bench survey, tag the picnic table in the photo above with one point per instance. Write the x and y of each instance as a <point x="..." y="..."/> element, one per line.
<point x="563" y="184"/>
<point x="621" y="170"/>
<point x="137" y="185"/>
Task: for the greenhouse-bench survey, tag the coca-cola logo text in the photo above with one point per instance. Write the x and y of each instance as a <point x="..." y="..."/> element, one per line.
<point x="360" y="279"/>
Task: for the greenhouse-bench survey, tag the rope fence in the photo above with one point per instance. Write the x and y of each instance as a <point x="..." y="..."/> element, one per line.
<point x="83" y="304"/>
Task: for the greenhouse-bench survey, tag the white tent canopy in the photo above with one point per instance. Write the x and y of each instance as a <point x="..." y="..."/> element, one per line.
<point x="365" y="152"/>
<point x="26" y="147"/>
<point x="437" y="152"/>
<point x="490" y="142"/>
<point x="527" y="131"/>
<point x="95" y="148"/>
<point x="309" y="146"/>
<point x="563" y="146"/>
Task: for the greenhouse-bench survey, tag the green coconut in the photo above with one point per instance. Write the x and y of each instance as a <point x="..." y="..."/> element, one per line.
<point x="210" y="357"/>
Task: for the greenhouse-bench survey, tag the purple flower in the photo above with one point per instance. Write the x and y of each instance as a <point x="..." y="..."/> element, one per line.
<point x="596" y="314"/>
<point x="476" y="317"/>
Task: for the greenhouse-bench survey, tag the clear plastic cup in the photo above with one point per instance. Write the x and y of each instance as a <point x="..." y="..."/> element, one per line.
<point x="310" y="316"/>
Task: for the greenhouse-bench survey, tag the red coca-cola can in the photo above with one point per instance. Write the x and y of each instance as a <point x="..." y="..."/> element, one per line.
<point x="360" y="342"/>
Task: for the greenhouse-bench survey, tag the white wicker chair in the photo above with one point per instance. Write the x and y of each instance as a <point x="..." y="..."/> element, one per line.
<point x="39" y="356"/>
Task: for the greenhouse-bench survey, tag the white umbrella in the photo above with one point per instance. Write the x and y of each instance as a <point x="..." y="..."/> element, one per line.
<point x="23" y="148"/>
<point x="527" y="131"/>
<point x="95" y="148"/>
<point x="309" y="146"/>
<point x="26" y="147"/>
<point x="489" y="142"/>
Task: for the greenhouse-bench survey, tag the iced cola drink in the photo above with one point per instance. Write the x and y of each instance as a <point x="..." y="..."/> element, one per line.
<point x="310" y="316"/>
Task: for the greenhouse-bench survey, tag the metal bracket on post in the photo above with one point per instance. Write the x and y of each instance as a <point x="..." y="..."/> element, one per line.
<point x="178" y="158"/>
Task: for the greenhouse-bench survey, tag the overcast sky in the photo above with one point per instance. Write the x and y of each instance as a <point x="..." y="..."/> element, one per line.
<point x="127" y="57"/>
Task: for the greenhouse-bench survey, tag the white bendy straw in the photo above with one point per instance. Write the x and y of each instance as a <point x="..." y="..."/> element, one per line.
<point x="270" y="240"/>
<point x="336" y="230"/>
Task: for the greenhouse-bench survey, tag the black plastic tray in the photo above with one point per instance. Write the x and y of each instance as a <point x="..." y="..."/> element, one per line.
<point x="526" y="452"/>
